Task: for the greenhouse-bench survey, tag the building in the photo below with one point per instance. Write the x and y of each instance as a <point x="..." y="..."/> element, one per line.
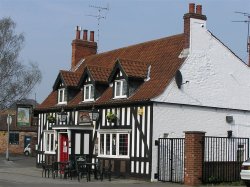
<point x="161" y="88"/>
<point x="22" y="130"/>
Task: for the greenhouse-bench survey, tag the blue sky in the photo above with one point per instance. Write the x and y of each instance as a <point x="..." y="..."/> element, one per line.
<point x="49" y="27"/>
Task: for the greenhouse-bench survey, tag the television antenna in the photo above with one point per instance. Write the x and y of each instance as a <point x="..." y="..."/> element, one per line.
<point x="248" y="22"/>
<point x="99" y="16"/>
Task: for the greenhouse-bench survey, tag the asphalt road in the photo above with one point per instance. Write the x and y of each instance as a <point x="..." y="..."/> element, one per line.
<point x="20" y="171"/>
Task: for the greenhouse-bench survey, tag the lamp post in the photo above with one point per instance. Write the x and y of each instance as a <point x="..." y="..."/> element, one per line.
<point x="62" y="116"/>
<point x="9" y="121"/>
<point x="95" y="114"/>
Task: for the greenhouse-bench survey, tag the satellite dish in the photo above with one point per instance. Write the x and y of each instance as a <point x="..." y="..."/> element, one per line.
<point x="178" y="78"/>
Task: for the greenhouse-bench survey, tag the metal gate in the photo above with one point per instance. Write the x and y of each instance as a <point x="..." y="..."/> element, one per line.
<point x="171" y="159"/>
<point x="223" y="158"/>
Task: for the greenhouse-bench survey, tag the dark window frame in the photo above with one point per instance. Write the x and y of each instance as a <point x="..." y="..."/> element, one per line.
<point x="14" y="138"/>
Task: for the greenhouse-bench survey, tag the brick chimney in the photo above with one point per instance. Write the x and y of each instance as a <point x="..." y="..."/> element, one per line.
<point x="191" y="14"/>
<point x="82" y="48"/>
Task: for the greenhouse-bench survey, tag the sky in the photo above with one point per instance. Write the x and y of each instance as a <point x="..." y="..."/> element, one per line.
<point x="49" y="27"/>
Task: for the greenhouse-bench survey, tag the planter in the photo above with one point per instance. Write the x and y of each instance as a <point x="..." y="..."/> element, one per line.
<point x="51" y="119"/>
<point x="111" y="117"/>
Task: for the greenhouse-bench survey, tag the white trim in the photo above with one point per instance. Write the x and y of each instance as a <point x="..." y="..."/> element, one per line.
<point x="91" y="89"/>
<point x="51" y="143"/>
<point x="63" y="99"/>
<point x="121" y="89"/>
<point x="117" y="136"/>
<point x="114" y="130"/>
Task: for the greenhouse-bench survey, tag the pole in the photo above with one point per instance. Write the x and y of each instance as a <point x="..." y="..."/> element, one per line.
<point x="9" y="120"/>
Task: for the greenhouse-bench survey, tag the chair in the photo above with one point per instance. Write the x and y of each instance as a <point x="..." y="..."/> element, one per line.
<point x="106" y="172"/>
<point x="47" y="164"/>
<point x="70" y="170"/>
<point x="55" y="170"/>
<point x="81" y="170"/>
<point x="46" y="169"/>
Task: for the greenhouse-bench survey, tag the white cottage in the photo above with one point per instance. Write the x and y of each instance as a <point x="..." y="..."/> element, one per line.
<point x="160" y="88"/>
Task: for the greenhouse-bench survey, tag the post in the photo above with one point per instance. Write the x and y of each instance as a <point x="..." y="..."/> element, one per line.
<point x="9" y="120"/>
<point x="193" y="157"/>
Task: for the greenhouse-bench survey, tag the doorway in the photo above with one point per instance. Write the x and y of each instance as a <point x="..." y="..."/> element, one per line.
<point x="27" y="140"/>
<point x="63" y="147"/>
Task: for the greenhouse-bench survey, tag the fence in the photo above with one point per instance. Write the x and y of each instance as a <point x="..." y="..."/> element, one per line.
<point x="171" y="159"/>
<point x="223" y="158"/>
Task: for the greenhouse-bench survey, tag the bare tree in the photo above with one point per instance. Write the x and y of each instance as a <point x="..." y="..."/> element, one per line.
<point x="16" y="79"/>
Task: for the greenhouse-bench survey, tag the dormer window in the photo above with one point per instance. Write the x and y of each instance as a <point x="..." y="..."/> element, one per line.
<point x="89" y="92"/>
<point x="62" y="96"/>
<point x="120" y="90"/>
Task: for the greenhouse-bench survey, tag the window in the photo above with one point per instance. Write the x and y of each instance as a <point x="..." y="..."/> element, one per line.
<point x="114" y="144"/>
<point x="62" y="96"/>
<point x="120" y="89"/>
<point x="49" y="142"/>
<point x="14" y="138"/>
<point x="88" y="92"/>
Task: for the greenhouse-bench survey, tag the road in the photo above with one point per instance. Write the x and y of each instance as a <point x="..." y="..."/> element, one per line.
<point x="20" y="171"/>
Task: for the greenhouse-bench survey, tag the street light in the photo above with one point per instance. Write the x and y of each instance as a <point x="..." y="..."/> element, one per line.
<point x="95" y="114"/>
<point x="62" y="116"/>
<point x="9" y="121"/>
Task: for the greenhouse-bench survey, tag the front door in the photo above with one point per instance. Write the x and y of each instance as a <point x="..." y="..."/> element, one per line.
<point x="27" y="140"/>
<point x="64" y="147"/>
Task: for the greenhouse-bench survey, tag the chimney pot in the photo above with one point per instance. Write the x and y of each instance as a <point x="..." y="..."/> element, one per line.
<point x="78" y="32"/>
<point x="191" y="7"/>
<point x="92" y="36"/>
<point x="85" y="35"/>
<point x="199" y="9"/>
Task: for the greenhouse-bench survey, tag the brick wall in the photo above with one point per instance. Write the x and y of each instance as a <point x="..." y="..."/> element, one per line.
<point x="193" y="157"/>
<point x="15" y="149"/>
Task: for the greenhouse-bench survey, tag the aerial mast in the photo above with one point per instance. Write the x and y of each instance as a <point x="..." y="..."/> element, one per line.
<point x="248" y="36"/>
<point x="99" y="16"/>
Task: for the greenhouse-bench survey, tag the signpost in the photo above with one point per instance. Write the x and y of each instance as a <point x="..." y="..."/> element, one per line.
<point x="9" y="121"/>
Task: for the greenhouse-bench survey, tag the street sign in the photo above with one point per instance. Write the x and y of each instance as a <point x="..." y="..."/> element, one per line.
<point x="9" y="120"/>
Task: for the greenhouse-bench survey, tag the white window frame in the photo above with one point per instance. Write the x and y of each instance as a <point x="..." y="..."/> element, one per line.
<point x="47" y="147"/>
<point x="111" y="148"/>
<point x="121" y="89"/>
<point x="91" y="89"/>
<point x="63" y="99"/>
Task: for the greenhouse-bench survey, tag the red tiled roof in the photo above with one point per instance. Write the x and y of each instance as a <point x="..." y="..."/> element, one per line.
<point x="98" y="73"/>
<point x="50" y="101"/>
<point x="161" y="54"/>
<point x="70" y="78"/>
<point x="135" y="69"/>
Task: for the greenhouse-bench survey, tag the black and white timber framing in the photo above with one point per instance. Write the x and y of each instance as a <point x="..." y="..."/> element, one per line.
<point x="135" y="119"/>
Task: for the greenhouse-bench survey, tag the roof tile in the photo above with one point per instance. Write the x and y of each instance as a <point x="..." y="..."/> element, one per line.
<point x="161" y="54"/>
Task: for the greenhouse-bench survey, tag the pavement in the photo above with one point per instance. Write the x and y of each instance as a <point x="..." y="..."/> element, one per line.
<point x="20" y="171"/>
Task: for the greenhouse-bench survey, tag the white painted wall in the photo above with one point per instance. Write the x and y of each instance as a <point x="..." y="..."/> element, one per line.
<point x="175" y="119"/>
<point x="216" y="76"/>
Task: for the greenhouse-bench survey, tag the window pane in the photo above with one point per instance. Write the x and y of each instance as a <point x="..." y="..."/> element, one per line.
<point x="107" y="144"/>
<point x="17" y="138"/>
<point x="91" y="92"/>
<point x="65" y="95"/>
<point x="124" y="88"/>
<point x="123" y="144"/>
<point x="51" y="142"/>
<point x="118" y="88"/>
<point x="86" y="92"/>
<point x="60" y="95"/>
<point x="47" y="142"/>
<point x="102" y="144"/>
<point x="13" y="138"/>
<point x="114" y="144"/>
